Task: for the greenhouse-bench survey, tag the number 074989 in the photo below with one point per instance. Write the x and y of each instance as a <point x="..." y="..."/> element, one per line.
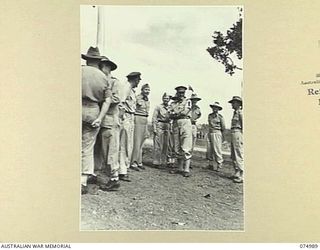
<point x="308" y="245"/>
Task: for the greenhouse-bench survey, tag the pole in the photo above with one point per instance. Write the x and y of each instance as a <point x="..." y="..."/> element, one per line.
<point x="100" y="29"/>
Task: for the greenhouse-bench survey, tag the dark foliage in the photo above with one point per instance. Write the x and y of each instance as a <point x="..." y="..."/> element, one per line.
<point x="228" y="46"/>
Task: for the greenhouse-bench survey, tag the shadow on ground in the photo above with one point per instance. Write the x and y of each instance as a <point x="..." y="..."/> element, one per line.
<point x="158" y="200"/>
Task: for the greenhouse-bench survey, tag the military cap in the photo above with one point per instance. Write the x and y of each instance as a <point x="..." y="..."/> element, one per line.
<point x="195" y="97"/>
<point x="105" y="60"/>
<point x="134" y="74"/>
<point x="236" y="99"/>
<point x="181" y="89"/>
<point x="93" y="53"/>
<point x="145" y="86"/>
<point x="216" y="104"/>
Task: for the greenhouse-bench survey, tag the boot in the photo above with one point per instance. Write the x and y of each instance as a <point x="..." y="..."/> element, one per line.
<point x="236" y="174"/>
<point x="186" y="172"/>
<point x="240" y="178"/>
<point x="180" y="167"/>
<point x="112" y="185"/>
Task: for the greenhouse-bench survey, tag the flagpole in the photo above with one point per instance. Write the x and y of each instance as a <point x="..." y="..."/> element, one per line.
<point x="100" y="29"/>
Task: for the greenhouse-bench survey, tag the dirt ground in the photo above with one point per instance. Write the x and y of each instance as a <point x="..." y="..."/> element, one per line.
<point x="158" y="200"/>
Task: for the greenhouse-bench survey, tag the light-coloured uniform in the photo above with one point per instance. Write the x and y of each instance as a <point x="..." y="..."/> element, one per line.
<point x="182" y="131"/>
<point x="140" y="128"/>
<point x="195" y="115"/>
<point x="107" y="148"/>
<point x="127" y="108"/>
<point x="94" y="85"/>
<point x="161" y="127"/>
<point x="215" y="137"/>
<point x="237" y="141"/>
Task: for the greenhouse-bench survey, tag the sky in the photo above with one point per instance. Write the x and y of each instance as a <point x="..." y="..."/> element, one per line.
<point x="167" y="44"/>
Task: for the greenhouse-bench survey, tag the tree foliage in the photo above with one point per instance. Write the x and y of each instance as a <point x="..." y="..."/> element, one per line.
<point x="228" y="47"/>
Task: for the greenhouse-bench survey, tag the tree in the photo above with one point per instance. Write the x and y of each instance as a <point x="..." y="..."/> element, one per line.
<point x="228" y="47"/>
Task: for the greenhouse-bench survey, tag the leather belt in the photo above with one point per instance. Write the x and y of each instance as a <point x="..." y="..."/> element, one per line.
<point x="163" y="121"/>
<point x="182" y="118"/>
<point x="141" y="115"/>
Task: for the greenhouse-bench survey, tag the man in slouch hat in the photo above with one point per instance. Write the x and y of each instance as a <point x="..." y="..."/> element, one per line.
<point x="94" y="95"/>
<point x="110" y="129"/>
<point x="215" y="137"/>
<point x="237" y="139"/>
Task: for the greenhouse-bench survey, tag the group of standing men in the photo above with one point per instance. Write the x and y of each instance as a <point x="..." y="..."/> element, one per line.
<point x="175" y="133"/>
<point x="120" y="117"/>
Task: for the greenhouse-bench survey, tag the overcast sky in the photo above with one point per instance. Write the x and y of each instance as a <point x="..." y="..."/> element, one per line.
<point x="168" y="46"/>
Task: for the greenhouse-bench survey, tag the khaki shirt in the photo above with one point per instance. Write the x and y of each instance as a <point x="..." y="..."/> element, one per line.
<point x="160" y="114"/>
<point x="142" y="105"/>
<point x="112" y="116"/>
<point x="236" y="122"/>
<point x="195" y="113"/>
<point x="94" y="84"/>
<point x="180" y="109"/>
<point x="128" y="99"/>
<point x="216" y="122"/>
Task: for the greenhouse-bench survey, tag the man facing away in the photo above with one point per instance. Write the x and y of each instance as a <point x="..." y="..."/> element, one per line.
<point x="94" y="94"/>
<point x="110" y="130"/>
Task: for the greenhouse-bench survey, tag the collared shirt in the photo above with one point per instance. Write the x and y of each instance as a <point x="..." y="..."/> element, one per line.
<point x="216" y="122"/>
<point x="180" y="108"/>
<point x="195" y="113"/>
<point x="112" y="116"/>
<point x="94" y="84"/>
<point x="128" y="99"/>
<point x="236" y="122"/>
<point x="160" y="114"/>
<point x="142" y="105"/>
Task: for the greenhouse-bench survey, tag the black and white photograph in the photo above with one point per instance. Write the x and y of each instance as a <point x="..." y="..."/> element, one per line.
<point x="162" y="144"/>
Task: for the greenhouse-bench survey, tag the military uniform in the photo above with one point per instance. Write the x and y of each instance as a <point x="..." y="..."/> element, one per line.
<point x="215" y="137"/>
<point x="140" y="129"/>
<point x="94" y="85"/>
<point x="108" y="148"/>
<point x="127" y="109"/>
<point x="182" y="132"/>
<point x="237" y="140"/>
<point x="195" y="115"/>
<point x="161" y="127"/>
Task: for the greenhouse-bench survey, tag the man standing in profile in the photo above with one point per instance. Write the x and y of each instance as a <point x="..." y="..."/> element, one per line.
<point x="237" y="139"/>
<point x="110" y="129"/>
<point x="127" y="109"/>
<point x="94" y="94"/>
<point x="140" y="126"/>
<point x="182" y="131"/>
